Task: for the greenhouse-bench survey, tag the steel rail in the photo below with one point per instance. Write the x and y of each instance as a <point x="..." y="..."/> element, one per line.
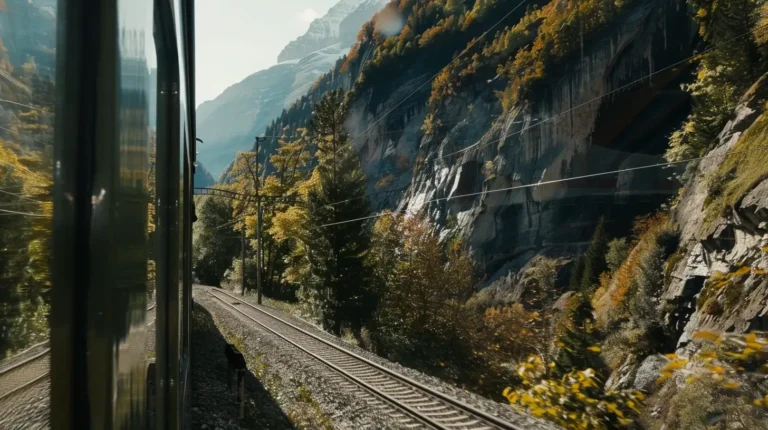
<point x="25" y="361"/>
<point x="343" y="372"/>
<point x="25" y="385"/>
<point x="449" y="401"/>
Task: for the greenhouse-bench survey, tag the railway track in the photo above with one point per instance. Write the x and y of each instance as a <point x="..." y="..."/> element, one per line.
<point x="411" y="403"/>
<point x="28" y="368"/>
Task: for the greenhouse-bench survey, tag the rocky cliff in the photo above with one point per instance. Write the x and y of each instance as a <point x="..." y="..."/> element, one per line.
<point x="599" y="112"/>
<point x="566" y="129"/>
<point x="720" y="242"/>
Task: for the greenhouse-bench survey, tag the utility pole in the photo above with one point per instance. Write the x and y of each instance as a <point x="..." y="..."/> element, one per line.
<point x="258" y="225"/>
<point x="259" y="251"/>
<point x="242" y="257"/>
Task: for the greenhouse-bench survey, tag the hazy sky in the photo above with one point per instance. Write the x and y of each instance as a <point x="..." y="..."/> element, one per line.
<point x="236" y="38"/>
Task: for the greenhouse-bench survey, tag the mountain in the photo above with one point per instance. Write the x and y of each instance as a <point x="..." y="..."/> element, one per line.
<point x="339" y="25"/>
<point x="203" y="177"/>
<point x="229" y="123"/>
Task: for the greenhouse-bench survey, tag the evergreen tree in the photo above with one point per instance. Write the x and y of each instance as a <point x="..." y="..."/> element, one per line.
<point x="578" y="338"/>
<point x="576" y="273"/>
<point x="213" y="247"/>
<point x="338" y="239"/>
<point x="594" y="257"/>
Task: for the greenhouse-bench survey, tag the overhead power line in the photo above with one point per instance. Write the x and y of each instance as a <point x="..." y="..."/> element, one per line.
<point x="534" y="185"/>
<point x="542" y="121"/>
<point x="21" y="196"/>
<point x="609" y="93"/>
<point x="464" y="52"/>
<point x="23" y="135"/>
<point x="581" y="105"/>
<point x="287" y="136"/>
<point x="24" y="213"/>
<point x="24" y="105"/>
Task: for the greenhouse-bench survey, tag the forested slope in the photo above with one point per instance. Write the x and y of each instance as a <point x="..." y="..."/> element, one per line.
<point x="578" y="204"/>
<point x="26" y="135"/>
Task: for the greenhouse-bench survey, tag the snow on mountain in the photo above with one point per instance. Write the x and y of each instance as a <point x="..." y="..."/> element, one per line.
<point x="335" y="27"/>
<point x="229" y="123"/>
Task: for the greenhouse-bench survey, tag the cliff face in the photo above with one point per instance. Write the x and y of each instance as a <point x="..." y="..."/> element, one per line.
<point x="721" y="244"/>
<point x="567" y="129"/>
<point x="203" y="178"/>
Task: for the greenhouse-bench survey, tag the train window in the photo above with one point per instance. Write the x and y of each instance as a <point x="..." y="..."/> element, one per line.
<point x="151" y="55"/>
<point x="27" y="100"/>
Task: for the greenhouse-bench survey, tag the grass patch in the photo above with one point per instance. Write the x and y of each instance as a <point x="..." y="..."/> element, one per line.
<point x="742" y="169"/>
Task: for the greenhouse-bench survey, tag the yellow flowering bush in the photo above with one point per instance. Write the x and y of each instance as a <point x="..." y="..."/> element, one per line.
<point x="576" y="400"/>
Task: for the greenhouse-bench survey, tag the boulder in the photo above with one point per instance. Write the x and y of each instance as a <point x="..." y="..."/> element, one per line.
<point x="648" y="372"/>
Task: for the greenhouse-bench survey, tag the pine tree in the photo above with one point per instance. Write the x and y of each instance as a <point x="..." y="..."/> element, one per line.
<point x="338" y="238"/>
<point x="578" y="338"/>
<point x="594" y="257"/>
<point x="576" y="273"/>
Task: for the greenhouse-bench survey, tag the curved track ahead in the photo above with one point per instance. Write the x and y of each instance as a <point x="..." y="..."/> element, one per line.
<point x="412" y="404"/>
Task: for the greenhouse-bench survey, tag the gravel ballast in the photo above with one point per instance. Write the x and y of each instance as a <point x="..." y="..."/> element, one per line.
<point x="307" y="393"/>
<point x="501" y="410"/>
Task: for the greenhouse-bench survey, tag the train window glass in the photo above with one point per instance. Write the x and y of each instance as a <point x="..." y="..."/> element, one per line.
<point x="151" y="53"/>
<point x="27" y="88"/>
<point x="133" y="225"/>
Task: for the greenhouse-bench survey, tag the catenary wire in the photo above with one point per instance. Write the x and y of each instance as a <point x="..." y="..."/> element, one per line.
<point x="23" y="135"/>
<point x="609" y="93"/>
<point x="455" y="59"/>
<point x="524" y="129"/>
<point x="24" y="213"/>
<point x="24" y="105"/>
<point x="534" y="185"/>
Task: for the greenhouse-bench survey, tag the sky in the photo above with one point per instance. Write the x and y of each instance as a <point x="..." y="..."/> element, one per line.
<point x="236" y="38"/>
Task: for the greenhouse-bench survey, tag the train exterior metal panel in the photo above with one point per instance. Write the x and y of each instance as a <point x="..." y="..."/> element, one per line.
<point x="101" y="218"/>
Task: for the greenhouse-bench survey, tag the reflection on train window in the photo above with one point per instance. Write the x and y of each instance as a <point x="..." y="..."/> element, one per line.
<point x="27" y="88"/>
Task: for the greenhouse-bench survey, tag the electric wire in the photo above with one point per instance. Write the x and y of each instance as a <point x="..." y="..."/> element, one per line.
<point x="30" y="214"/>
<point x="534" y="185"/>
<point x="609" y="93"/>
<point x="524" y="129"/>
<point x="21" y="196"/>
<point x="600" y="97"/>
<point x="23" y="135"/>
<point x="455" y="59"/>
<point x="24" y="105"/>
